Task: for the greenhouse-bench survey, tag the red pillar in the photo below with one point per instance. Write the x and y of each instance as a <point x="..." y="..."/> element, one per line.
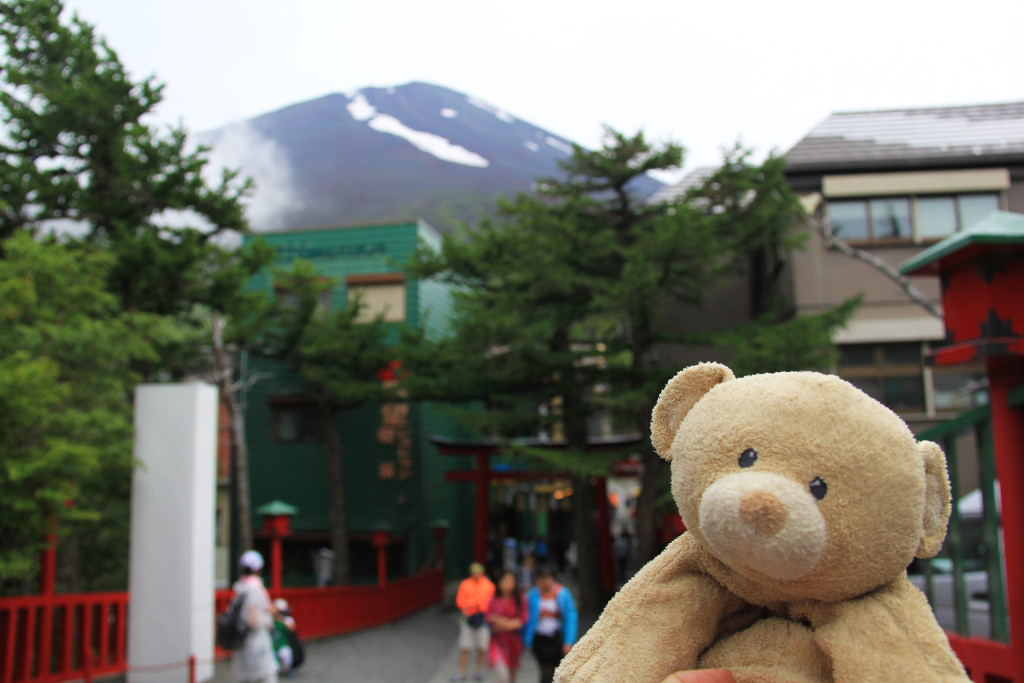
<point x="604" y="541"/>
<point x="276" y="526"/>
<point x="47" y="584"/>
<point x="1006" y="373"/>
<point x="275" y="563"/>
<point x="85" y="642"/>
<point x="483" y="483"/>
<point x="380" y="541"/>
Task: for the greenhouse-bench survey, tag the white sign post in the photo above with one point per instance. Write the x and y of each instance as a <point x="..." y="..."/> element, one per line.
<point x="171" y="607"/>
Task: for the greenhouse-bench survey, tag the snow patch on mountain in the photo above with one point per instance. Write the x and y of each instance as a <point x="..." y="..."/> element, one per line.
<point x="436" y="145"/>
<point x="530" y="145"/>
<point x="360" y="109"/>
<point x="442" y="148"/>
<point x="499" y="114"/>
<point x="558" y="144"/>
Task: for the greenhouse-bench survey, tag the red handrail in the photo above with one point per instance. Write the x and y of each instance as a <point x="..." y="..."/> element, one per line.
<point x="54" y="638"/>
<point x="985" y="660"/>
<point x="61" y="637"/>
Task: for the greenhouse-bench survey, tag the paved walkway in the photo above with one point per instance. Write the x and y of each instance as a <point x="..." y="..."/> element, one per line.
<point x="528" y="672"/>
<point x="421" y="648"/>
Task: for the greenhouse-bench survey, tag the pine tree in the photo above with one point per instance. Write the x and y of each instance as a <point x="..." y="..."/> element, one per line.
<point x="66" y="352"/>
<point x="79" y="156"/>
<point x="567" y="301"/>
<point x="79" y="153"/>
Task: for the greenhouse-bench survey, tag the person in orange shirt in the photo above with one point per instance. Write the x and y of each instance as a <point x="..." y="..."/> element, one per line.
<point x="473" y="598"/>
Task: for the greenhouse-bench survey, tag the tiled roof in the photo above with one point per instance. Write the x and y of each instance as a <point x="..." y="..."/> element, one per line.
<point x="692" y="179"/>
<point x="905" y="137"/>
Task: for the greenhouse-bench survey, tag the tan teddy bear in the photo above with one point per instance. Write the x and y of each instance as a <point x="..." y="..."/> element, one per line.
<point x="804" y="501"/>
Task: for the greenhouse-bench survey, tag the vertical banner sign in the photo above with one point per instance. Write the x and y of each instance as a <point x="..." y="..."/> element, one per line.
<point x="395" y="431"/>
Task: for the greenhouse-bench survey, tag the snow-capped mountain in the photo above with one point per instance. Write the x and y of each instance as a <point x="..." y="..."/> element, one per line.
<point x="379" y="154"/>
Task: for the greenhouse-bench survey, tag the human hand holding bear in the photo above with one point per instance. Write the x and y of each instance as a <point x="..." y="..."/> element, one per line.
<point x="804" y="501"/>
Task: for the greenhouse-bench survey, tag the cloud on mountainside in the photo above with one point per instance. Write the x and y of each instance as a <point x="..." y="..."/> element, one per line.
<point x="241" y="146"/>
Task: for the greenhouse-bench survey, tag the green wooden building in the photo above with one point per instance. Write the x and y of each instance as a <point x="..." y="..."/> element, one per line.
<point x="394" y="478"/>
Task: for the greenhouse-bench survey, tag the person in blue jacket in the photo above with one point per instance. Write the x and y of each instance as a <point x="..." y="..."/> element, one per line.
<point x="551" y="623"/>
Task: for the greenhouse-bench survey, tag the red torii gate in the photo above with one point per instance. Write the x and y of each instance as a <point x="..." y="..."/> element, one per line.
<point x="482" y="474"/>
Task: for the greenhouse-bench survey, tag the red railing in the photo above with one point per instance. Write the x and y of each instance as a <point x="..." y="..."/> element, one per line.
<point x="985" y="660"/>
<point x="53" y="638"/>
<point x="335" y="610"/>
<point x="62" y="637"/>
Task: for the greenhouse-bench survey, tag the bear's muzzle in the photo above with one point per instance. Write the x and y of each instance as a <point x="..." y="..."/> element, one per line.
<point x="763" y="523"/>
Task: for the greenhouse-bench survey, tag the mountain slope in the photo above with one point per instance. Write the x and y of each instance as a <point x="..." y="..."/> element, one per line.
<point x="380" y="154"/>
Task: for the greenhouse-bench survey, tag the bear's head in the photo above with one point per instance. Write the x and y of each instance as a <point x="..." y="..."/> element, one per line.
<point x="800" y="484"/>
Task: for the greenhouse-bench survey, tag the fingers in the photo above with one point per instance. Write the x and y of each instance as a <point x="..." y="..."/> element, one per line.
<point x="701" y="676"/>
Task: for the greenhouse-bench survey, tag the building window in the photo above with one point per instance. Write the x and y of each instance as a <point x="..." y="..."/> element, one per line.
<point x="913" y="218"/>
<point x="381" y="294"/>
<point x="974" y="207"/>
<point x="849" y="220"/>
<point x="294" y="420"/>
<point x="896" y="375"/>
<point x="890" y="373"/>
<point x="958" y="388"/>
<point x="936" y="217"/>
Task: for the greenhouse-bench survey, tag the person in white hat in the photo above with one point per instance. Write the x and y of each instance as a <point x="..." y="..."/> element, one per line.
<point x="254" y="661"/>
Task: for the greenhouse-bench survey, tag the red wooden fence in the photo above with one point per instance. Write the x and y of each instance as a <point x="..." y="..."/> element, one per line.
<point x="53" y="638"/>
<point x="62" y="637"/>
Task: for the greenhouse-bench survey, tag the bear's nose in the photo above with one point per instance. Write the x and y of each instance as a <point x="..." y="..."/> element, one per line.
<point x="764" y="512"/>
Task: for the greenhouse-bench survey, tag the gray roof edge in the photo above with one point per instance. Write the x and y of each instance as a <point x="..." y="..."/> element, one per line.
<point x="929" y="108"/>
<point x="903" y="164"/>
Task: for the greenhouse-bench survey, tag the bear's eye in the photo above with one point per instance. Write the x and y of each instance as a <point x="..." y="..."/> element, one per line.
<point x="748" y="458"/>
<point x="818" y="488"/>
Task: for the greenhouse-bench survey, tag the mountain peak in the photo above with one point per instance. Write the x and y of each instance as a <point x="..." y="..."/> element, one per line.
<point x="405" y="151"/>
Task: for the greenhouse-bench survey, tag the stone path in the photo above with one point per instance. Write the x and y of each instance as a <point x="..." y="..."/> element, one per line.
<point x="421" y="648"/>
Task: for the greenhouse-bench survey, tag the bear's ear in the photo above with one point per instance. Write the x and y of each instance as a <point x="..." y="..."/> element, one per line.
<point x="677" y="398"/>
<point x="936" y="499"/>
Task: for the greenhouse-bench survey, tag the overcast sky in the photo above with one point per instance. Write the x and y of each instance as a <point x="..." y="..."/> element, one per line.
<point x="703" y="74"/>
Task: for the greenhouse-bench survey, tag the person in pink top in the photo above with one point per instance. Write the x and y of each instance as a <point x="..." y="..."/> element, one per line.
<point x="506" y="615"/>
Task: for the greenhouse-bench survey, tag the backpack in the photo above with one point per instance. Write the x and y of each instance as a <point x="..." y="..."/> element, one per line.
<point x="298" y="651"/>
<point x="231" y="629"/>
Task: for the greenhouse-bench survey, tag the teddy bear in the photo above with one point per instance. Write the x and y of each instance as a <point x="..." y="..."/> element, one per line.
<point x="804" y="501"/>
